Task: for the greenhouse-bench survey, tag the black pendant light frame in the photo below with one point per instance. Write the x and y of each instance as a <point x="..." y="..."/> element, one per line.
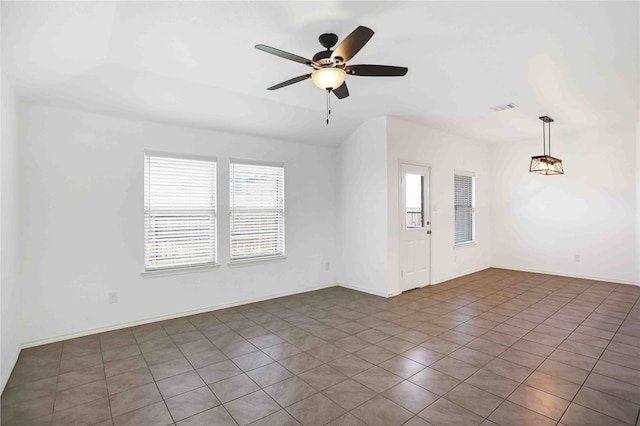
<point x="546" y="164"/>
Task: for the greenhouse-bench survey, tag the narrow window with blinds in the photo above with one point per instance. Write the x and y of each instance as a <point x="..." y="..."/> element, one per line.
<point x="464" y="208"/>
<point x="257" y="210"/>
<point x="179" y="211"/>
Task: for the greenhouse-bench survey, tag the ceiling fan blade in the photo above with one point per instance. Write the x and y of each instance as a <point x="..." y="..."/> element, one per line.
<point x="286" y="55"/>
<point x="352" y="44"/>
<point x="376" y="70"/>
<point x="342" y="91"/>
<point x="289" y="82"/>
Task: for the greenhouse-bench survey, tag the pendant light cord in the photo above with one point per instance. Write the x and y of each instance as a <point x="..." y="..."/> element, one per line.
<point x="544" y="142"/>
<point x="549" y="139"/>
<point x="544" y="135"/>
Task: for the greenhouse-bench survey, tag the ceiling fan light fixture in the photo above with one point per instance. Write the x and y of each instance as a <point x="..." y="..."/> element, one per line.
<point x="328" y="78"/>
<point x="330" y="66"/>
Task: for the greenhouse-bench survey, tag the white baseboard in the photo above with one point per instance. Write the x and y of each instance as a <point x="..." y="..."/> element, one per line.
<point x="119" y="326"/>
<point x="12" y="362"/>
<point x="561" y="274"/>
<point x="462" y="274"/>
<point x="367" y="290"/>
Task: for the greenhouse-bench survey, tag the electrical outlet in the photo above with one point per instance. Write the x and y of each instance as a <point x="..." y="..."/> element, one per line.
<point x="455" y="259"/>
<point x="327" y="266"/>
<point x="576" y="258"/>
<point x="113" y="298"/>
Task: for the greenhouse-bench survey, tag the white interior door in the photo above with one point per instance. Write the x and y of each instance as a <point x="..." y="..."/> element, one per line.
<point x="415" y="227"/>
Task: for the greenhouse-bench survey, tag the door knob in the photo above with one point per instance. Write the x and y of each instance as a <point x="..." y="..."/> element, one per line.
<point x="428" y="232"/>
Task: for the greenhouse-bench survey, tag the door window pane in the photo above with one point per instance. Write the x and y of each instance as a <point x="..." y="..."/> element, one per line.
<point x="414" y="200"/>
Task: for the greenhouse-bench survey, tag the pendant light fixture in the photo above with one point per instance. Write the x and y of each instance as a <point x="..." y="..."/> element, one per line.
<point x="546" y="164"/>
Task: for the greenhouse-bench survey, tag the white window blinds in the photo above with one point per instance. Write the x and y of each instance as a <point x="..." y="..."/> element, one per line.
<point x="257" y="210"/>
<point x="464" y="208"/>
<point x="179" y="211"/>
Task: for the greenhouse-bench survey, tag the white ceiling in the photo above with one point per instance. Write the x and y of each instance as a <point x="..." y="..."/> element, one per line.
<point x="194" y="63"/>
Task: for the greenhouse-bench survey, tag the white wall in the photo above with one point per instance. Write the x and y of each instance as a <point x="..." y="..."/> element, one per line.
<point x="10" y="292"/>
<point x="82" y="214"/>
<point x="638" y="202"/>
<point x="541" y="223"/>
<point x="444" y="153"/>
<point x="362" y="207"/>
<point x="83" y="222"/>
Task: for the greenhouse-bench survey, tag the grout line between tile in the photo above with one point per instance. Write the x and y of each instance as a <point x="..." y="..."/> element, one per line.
<point x="594" y="365"/>
<point x="547" y="357"/>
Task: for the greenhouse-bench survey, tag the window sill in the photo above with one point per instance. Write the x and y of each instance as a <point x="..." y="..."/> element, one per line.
<point x="465" y="244"/>
<point x="178" y="271"/>
<point x="249" y="262"/>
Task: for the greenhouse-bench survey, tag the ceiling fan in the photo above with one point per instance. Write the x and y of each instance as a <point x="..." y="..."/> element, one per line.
<point x="330" y="66"/>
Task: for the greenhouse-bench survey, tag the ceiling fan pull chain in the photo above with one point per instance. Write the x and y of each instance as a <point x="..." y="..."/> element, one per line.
<point x="328" y="104"/>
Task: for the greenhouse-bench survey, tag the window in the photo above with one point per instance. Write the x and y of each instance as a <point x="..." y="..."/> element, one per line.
<point x="465" y="203"/>
<point x="414" y="200"/>
<point x="179" y="211"/>
<point x="257" y="210"/>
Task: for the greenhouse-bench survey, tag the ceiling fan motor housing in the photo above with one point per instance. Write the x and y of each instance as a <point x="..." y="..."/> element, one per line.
<point x="328" y="40"/>
<point x="323" y="57"/>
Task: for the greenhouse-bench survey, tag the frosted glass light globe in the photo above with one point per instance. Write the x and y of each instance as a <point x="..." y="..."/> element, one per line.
<point x="328" y="78"/>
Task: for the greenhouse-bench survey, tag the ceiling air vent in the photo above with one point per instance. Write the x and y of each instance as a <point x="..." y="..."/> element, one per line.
<point x="503" y="107"/>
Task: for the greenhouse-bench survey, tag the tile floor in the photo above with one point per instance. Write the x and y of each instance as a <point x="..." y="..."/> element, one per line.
<point x="495" y="347"/>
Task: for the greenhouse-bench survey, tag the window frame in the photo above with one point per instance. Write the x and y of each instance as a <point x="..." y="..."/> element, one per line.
<point x="472" y="208"/>
<point x="252" y="259"/>
<point x="190" y="267"/>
